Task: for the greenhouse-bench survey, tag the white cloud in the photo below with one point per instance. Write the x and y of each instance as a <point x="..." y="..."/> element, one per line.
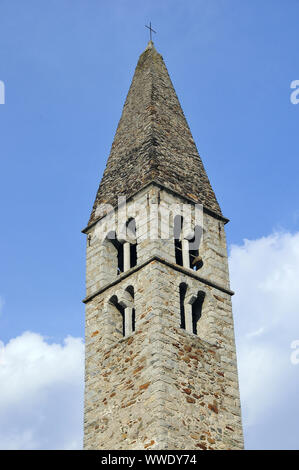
<point x="264" y="274"/>
<point x="41" y="393"/>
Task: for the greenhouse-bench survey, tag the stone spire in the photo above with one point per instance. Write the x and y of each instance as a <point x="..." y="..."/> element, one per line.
<point x="153" y="142"/>
<point x="160" y="359"/>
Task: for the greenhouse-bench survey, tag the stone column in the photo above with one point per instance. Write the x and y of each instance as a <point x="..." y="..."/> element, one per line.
<point x="128" y="321"/>
<point x="127" y="260"/>
<point x="188" y="318"/>
<point x="185" y="252"/>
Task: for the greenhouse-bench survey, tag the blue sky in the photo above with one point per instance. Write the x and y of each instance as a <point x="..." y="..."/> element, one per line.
<point x="67" y="66"/>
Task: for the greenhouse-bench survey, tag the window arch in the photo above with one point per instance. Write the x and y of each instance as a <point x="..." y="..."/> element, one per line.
<point x="121" y="313"/>
<point x="120" y="255"/>
<point x="119" y="251"/>
<point x="191" y="309"/>
<point x="110" y="259"/>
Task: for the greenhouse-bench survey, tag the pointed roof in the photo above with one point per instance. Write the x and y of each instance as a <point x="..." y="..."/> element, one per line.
<point x="153" y="142"/>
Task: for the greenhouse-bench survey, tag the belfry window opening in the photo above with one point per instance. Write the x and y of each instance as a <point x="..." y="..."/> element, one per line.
<point x="125" y="251"/>
<point x="119" y="251"/>
<point x="187" y="248"/>
<point x="120" y="319"/>
<point x="123" y="313"/>
<point x="190" y="312"/>
<point x="195" y="260"/>
<point x="130" y="246"/>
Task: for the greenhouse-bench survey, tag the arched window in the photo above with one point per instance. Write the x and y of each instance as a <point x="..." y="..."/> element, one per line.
<point x="126" y="252"/>
<point x="197" y="311"/>
<point x="191" y="310"/>
<point x="117" y="317"/>
<point x="122" y="313"/>
<point x="110" y="259"/>
<point x="119" y="249"/>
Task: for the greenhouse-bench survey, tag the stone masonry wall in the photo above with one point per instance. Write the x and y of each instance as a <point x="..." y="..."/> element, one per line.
<point x="161" y="387"/>
<point x="213" y="248"/>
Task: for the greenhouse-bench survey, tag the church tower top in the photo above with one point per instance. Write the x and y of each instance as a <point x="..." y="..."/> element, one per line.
<point x="153" y="142"/>
<point x="160" y="360"/>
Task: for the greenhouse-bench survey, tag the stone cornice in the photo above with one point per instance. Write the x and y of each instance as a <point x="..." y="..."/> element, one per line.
<point x="165" y="188"/>
<point x="176" y="267"/>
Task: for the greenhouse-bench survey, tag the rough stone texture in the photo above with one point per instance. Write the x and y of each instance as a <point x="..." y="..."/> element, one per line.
<point x="153" y="142"/>
<point x="161" y="387"/>
<point x="101" y="265"/>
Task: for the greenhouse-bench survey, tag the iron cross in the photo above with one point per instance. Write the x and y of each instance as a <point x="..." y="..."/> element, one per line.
<point x="151" y="30"/>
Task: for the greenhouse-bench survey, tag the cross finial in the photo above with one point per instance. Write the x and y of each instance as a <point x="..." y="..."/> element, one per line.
<point x="151" y="30"/>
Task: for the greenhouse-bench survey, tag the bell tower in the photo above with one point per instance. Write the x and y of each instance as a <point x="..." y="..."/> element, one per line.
<point x="161" y="369"/>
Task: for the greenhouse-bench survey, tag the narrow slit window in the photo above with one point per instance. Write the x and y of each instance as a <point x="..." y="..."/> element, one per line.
<point x="131" y="319"/>
<point x="183" y="290"/>
<point x="131" y="234"/>
<point x="120" y="258"/>
<point x="133" y="254"/>
<point x="177" y="231"/>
